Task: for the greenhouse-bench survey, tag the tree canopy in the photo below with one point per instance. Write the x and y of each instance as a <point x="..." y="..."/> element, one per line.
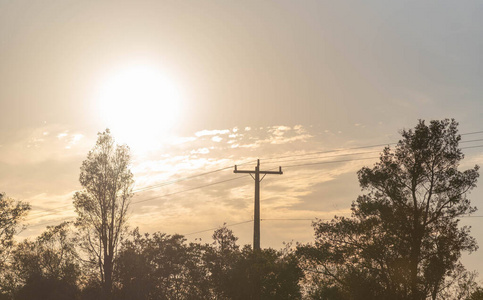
<point x="103" y="203"/>
<point x="11" y="213"/>
<point x="403" y="240"/>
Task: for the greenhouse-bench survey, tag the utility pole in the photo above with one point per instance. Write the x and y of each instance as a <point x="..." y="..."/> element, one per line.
<point x="256" y="223"/>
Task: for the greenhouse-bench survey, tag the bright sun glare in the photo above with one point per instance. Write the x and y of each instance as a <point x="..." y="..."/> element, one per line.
<point x="140" y="105"/>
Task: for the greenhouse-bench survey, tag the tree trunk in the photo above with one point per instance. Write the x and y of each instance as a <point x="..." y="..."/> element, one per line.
<point x="107" y="285"/>
<point x="413" y="263"/>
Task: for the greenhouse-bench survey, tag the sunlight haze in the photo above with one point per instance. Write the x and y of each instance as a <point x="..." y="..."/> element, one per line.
<point x="197" y="86"/>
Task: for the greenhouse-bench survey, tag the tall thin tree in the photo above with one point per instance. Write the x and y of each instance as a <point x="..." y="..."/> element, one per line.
<point x="103" y="203"/>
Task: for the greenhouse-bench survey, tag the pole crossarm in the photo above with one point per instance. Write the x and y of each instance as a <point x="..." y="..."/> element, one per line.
<point x="256" y="219"/>
<point x="279" y="172"/>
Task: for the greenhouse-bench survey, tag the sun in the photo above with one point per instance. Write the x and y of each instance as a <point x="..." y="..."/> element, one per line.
<point x="140" y="104"/>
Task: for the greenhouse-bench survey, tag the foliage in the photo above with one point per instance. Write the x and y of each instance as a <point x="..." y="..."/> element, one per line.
<point x="402" y="240"/>
<point x="460" y="285"/>
<point x="166" y="267"/>
<point x="102" y="204"/>
<point x="161" y="267"/>
<point x="48" y="267"/>
<point x="11" y="213"/>
<point x="476" y="295"/>
<point x="246" y="274"/>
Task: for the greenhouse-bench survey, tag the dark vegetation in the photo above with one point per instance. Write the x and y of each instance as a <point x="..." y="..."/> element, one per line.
<point x="402" y="241"/>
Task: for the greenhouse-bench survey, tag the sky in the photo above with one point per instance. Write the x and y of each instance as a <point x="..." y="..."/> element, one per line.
<point x="199" y="86"/>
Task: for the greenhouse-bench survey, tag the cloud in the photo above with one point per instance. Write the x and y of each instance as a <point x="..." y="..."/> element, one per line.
<point x="181" y="200"/>
<point x="211" y="132"/>
<point x="74" y="139"/>
<point x="182" y="140"/>
<point x="200" y="151"/>
<point x="62" y="135"/>
<point x="48" y="142"/>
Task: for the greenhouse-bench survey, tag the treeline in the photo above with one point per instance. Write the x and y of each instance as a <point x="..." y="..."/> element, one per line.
<point x="402" y="241"/>
<point x="157" y="266"/>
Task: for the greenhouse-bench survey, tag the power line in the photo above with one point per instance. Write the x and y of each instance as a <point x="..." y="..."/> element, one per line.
<point x="187" y="190"/>
<point x="327" y="156"/>
<point x="329" y="162"/>
<point x="328" y="151"/>
<point x="478" y="146"/>
<point x="45" y="223"/>
<point x="226" y="225"/>
<point x="474" y="132"/>
<point x="477" y="140"/>
<point x="283" y="219"/>
<point x="361" y="147"/>
<point x="290" y="166"/>
<point x="165" y="195"/>
<point x="145" y="188"/>
<point x="156" y="186"/>
<point x="177" y="180"/>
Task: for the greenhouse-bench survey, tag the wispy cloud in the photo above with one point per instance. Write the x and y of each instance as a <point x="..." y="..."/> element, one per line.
<point x="211" y="132"/>
<point x="178" y="200"/>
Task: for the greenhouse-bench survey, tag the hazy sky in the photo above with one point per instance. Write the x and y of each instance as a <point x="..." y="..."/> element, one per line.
<point x="195" y="86"/>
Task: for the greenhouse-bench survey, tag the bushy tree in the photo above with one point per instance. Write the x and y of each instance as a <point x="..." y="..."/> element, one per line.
<point x="246" y="274"/>
<point x="103" y="203"/>
<point x="403" y="239"/>
<point x="11" y="214"/>
<point x="161" y="266"/>
<point x="47" y="268"/>
<point x="220" y="259"/>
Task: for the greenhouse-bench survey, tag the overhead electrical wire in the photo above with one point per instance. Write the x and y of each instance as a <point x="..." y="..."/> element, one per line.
<point x="328" y="156"/>
<point x="296" y="155"/>
<point x="280" y="219"/>
<point x="289" y="166"/>
<point x="329" y="162"/>
<point x="214" y="228"/>
<point x="348" y="160"/>
<point x="169" y="194"/>
<point x="327" y="151"/>
<point x="160" y="184"/>
<point x="186" y="178"/>
<point x="190" y="189"/>
<point x="285" y="167"/>
<point x="361" y="147"/>
<point x="474" y="132"/>
<point x="177" y="180"/>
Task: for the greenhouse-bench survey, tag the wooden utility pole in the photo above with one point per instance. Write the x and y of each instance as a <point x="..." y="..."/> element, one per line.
<point x="256" y="223"/>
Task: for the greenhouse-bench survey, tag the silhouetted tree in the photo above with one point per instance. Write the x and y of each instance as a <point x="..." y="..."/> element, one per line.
<point x="476" y="295"/>
<point x="235" y="273"/>
<point x="220" y="259"/>
<point x="102" y="204"/>
<point x="403" y="240"/>
<point x="11" y="213"/>
<point x="48" y="267"/>
<point x="278" y="273"/>
<point x="161" y="267"/>
<point x="459" y="285"/>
